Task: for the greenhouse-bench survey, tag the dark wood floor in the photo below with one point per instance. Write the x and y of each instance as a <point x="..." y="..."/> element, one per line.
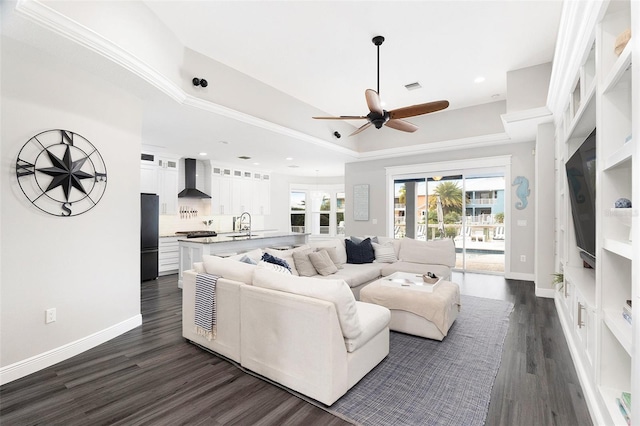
<point x="151" y="376"/>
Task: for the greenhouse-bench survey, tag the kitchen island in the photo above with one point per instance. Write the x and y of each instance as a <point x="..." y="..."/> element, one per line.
<point x="192" y="249"/>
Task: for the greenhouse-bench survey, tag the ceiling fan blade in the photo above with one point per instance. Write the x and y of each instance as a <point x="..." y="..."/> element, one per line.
<point x="361" y="128"/>
<point x="405" y="126"/>
<point x="373" y="101"/>
<point x="412" y="111"/>
<point x="343" y="117"/>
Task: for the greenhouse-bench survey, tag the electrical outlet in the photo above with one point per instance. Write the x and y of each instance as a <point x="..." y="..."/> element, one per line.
<point x="50" y="315"/>
<point x="523" y="258"/>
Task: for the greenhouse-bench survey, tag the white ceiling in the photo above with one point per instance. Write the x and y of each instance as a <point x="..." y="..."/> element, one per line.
<point x="320" y="52"/>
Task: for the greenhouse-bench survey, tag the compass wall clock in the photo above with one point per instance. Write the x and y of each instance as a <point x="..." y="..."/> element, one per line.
<point x="61" y="173"/>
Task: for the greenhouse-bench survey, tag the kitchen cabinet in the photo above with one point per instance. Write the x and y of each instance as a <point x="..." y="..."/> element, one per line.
<point x="168" y="255"/>
<point x="234" y="191"/>
<point x="168" y="185"/>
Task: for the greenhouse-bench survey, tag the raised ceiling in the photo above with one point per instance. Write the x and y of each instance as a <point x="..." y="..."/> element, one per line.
<point x="320" y="53"/>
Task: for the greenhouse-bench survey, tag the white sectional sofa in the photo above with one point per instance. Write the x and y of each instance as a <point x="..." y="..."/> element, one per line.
<point x="309" y="334"/>
<point x="414" y="256"/>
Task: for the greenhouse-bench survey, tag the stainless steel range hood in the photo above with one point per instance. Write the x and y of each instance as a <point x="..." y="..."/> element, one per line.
<point x="190" y="190"/>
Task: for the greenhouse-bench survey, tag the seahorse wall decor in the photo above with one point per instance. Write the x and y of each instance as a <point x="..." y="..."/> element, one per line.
<point x="522" y="191"/>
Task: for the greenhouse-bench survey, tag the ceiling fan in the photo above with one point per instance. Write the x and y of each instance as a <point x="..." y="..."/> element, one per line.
<point x="378" y="116"/>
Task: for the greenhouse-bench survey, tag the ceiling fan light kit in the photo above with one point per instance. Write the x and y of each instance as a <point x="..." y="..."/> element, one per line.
<point x="394" y="118"/>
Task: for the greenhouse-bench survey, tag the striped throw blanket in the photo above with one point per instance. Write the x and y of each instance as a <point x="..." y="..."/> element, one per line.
<point x="206" y="305"/>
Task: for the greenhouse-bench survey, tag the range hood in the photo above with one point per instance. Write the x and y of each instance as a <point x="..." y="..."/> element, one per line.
<point x="190" y="190"/>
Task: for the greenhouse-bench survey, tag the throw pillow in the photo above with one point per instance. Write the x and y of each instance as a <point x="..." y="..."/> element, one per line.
<point x="287" y="256"/>
<point x="385" y="253"/>
<point x="303" y="263"/>
<point x="276" y="261"/>
<point x="247" y="259"/>
<point x="360" y="253"/>
<point x="322" y="262"/>
<point x="273" y="267"/>
<point x="333" y="254"/>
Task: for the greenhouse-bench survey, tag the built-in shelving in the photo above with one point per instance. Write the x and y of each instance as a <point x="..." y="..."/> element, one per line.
<point x="603" y="94"/>
<point x="619" y="327"/>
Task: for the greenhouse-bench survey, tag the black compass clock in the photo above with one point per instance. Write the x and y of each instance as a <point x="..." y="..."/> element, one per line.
<point x="61" y="173"/>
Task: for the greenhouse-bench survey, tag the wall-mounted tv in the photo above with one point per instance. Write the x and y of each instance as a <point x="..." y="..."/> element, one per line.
<point x="581" y="177"/>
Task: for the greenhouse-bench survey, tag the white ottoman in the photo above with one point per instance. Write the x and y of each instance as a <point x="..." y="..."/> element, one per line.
<point x="415" y="310"/>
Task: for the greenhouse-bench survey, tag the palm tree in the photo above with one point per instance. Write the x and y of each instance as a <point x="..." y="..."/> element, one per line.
<point x="450" y="197"/>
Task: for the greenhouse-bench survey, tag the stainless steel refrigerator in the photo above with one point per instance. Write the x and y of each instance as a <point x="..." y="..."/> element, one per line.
<point x="149" y="232"/>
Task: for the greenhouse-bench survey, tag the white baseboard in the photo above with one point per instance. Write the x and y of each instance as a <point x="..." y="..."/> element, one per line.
<point x="545" y="292"/>
<point x="28" y="366"/>
<point x="519" y="276"/>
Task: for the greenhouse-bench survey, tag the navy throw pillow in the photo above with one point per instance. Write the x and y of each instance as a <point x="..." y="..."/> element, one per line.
<point x="276" y="261"/>
<point x="360" y="253"/>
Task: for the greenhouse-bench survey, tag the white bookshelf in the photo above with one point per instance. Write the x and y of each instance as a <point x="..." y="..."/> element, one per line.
<point x="604" y="94"/>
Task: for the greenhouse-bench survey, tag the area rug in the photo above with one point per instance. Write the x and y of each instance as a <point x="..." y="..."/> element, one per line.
<point x="426" y="382"/>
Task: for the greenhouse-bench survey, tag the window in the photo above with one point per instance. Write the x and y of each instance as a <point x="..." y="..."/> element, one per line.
<point x="317" y="210"/>
<point x="298" y="206"/>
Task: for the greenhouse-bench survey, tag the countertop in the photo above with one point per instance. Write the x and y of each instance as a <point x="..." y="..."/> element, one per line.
<point x="182" y="235"/>
<point x="227" y="238"/>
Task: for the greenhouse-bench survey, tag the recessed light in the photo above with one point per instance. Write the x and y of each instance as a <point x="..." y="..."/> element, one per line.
<point x="495" y="96"/>
<point x="203" y="153"/>
<point x="293" y="166"/>
<point x="224" y="142"/>
<point x="256" y="164"/>
<point x="244" y="157"/>
<point x="289" y="158"/>
<point x="479" y="79"/>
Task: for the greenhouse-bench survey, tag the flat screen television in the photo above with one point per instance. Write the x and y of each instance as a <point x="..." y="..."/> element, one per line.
<point x="581" y="178"/>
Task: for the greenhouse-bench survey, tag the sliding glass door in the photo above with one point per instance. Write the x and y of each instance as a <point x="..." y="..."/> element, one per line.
<point x="467" y="207"/>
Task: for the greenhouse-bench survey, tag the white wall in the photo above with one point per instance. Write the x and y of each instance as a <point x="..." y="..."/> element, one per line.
<point x="527" y="88"/>
<point x="373" y="173"/>
<point x="545" y="210"/>
<point x="86" y="266"/>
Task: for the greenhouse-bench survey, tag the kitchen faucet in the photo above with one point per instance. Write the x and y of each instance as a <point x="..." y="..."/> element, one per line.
<point x="243" y="225"/>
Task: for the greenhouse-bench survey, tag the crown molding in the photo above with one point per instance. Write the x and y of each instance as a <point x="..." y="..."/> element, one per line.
<point x="440" y="146"/>
<point x="78" y="33"/>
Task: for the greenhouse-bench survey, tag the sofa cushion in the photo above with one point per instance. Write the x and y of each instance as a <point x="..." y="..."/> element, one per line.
<point x="227" y="268"/>
<point x="416" y="268"/>
<point x="435" y="252"/>
<point x="338" y="243"/>
<point x="247" y="259"/>
<point x="373" y="319"/>
<point x="358" y="240"/>
<point x="359" y="253"/>
<point x="385" y="253"/>
<point x="322" y="262"/>
<point x="333" y="255"/>
<point x="303" y="263"/>
<point x="287" y="255"/>
<point x="355" y="275"/>
<point x="198" y="268"/>
<point x="334" y="291"/>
